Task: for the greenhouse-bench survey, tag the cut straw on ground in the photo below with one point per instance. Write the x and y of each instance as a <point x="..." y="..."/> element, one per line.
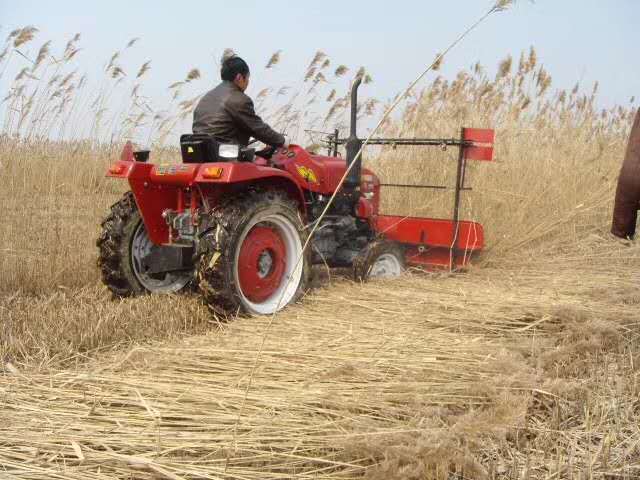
<point x="399" y="368"/>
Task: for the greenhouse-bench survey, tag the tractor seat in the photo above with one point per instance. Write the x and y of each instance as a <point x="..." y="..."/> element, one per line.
<point x="198" y="148"/>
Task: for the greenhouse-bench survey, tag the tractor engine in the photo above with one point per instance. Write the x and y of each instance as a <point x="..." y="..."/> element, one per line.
<point x="338" y="240"/>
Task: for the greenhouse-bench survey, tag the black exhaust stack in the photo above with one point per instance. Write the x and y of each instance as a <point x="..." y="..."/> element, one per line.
<point x="352" y="146"/>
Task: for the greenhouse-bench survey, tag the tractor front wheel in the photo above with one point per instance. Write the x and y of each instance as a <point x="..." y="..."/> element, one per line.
<point x="252" y="259"/>
<point x="130" y="263"/>
<point x="379" y="259"/>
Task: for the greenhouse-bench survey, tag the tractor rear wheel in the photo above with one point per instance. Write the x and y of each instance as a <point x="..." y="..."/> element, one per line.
<point x="252" y="260"/>
<point x="379" y="259"/>
<point x="126" y="255"/>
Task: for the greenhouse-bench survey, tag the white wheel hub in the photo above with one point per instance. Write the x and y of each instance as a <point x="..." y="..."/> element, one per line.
<point x="294" y="264"/>
<point x="386" y="265"/>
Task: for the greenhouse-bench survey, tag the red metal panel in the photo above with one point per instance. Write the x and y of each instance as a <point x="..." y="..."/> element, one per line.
<point x="436" y="258"/>
<point x="239" y="172"/>
<point x="234" y="172"/>
<point x="157" y="187"/>
<point x="316" y="173"/>
<point x="431" y="232"/>
<point x="483" y="144"/>
<point x="152" y="200"/>
<point x="180" y="174"/>
<point x="364" y="208"/>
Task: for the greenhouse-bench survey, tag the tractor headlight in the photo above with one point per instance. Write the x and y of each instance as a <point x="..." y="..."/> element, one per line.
<point x="228" y="151"/>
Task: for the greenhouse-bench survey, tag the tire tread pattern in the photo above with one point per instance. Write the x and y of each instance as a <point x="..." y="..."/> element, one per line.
<point x="116" y="273"/>
<point x="218" y="245"/>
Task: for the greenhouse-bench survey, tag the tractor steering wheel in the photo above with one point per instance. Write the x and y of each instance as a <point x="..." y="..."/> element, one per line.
<point x="266" y="152"/>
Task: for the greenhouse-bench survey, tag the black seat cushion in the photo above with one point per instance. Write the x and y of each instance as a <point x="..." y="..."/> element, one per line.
<point x="198" y="148"/>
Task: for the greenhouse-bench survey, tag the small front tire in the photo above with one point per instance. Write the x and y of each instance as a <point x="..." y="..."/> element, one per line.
<point x="379" y="260"/>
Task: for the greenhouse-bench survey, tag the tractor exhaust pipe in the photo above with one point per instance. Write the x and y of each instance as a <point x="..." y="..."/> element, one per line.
<point x="354" y="105"/>
<point x="353" y="145"/>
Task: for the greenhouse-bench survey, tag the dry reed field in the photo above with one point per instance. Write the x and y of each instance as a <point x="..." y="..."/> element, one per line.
<point x="524" y="367"/>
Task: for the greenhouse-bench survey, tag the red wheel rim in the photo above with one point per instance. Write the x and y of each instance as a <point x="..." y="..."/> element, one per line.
<point x="261" y="263"/>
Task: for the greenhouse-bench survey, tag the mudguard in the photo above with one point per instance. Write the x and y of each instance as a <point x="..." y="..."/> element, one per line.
<point x="157" y="188"/>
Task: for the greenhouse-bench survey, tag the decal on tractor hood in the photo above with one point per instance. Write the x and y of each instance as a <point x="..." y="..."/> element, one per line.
<point x="306" y="173"/>
<point x="171" y="169"/>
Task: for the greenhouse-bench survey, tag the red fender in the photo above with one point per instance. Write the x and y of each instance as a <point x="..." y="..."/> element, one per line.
<point x="238" y="173"/>
<point x="157" y="188"/>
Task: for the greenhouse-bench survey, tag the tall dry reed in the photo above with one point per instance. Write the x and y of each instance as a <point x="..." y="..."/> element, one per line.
<point x="556" y="161"/>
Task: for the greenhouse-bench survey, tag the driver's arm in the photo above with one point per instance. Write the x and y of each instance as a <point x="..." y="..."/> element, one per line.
<point x="243" y="113"/>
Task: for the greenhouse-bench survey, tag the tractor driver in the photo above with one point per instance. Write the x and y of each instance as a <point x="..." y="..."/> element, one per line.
<point x="227" y="114"/>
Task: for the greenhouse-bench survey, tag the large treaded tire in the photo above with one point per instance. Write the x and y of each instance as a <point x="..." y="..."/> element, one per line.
<point x="219" y="249"/>
<point x="114" y="245"/>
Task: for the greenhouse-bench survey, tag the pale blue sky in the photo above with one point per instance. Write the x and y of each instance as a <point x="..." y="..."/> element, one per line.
<point x="583" y="40"/>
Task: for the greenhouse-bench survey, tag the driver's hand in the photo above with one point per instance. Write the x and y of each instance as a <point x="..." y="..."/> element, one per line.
<point x="286" y="143"/>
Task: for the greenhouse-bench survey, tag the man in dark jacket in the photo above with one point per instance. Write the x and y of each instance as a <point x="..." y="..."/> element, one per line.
<point x="227" y="113"/>
<point x="627" y="203"/>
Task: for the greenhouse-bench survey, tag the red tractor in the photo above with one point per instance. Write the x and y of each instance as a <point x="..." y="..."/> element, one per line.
<point x="234" y="221"/>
